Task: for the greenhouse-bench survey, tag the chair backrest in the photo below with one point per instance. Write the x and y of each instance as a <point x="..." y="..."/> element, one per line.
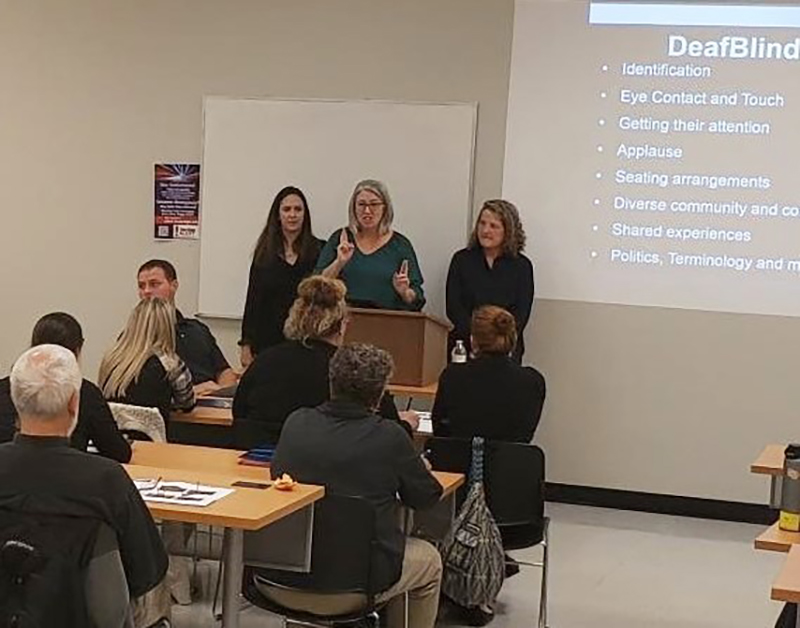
<point x="60" y="571"/>
<point x="137" y="420"/>
<point x="343" y="546"/>
<point x="514" y="475"/>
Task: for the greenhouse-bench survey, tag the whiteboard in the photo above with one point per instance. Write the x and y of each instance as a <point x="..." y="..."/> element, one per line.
<point x="252" y="148"/>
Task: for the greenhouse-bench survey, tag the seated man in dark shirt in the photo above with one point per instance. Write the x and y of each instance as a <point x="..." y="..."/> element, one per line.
<point x="345" y="446"/>
<point x="41" y="474"/>
<point x="95" y="422"/>
<point x="197" y="346"/>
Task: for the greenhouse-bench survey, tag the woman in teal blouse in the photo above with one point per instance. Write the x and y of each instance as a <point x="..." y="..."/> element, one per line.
<point x="378" y="265"/>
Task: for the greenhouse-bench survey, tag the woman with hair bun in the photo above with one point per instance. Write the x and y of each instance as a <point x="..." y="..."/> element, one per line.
<point x="294" y="374"/>
<point x="490" y="396"/>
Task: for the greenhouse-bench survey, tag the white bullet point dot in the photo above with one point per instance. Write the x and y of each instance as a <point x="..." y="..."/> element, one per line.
<point x="603" y="95"/>
<point x="595" y="228"/>
<point x="602" y="122"/>
<point x="594" y="254"/>
<point x="599" y="149"/>
<point x="597" y="201"/>
<point x="605" y="68"/>
<point x="599" y="175"/>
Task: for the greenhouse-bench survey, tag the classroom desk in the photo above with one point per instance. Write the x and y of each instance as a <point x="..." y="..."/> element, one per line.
<point x="786" y="587"/>
<point x="770" y="462"/>
<point x="774" y="539"/>
<point x="428" y="391"/>
<point x="224" y="462"/>
<point x="203" y="415"/>
<point x="245" y="509"/>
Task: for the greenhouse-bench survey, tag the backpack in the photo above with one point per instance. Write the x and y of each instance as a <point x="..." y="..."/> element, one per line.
<point x="42" y="563"/>
<point x="472" y="552"/>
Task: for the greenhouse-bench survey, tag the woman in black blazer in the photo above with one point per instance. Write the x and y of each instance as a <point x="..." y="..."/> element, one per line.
<point x="286" y="253"/>
<point x="491" y="395"/>
<point x="294" y="374"/>
<point x="492" y="270"/>
<point x="95" y="422"/>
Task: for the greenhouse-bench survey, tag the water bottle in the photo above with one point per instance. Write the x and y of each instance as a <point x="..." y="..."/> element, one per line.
<point x="790" y="492"/>
<point x="459" y="354"/>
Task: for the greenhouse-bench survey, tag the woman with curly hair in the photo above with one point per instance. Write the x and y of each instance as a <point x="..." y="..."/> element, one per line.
<point x="491" y="270"/>
<point x="294" y="374"/>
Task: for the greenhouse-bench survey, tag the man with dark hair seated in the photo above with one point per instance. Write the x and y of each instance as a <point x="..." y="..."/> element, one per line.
<point x="95" y="421"/>
<point x="41" y="475"/>
<point x="346" y="447"/>
<point x="197" y="346"/>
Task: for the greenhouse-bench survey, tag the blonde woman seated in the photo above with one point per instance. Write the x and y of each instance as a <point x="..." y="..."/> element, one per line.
<point x="142" y="368"/>
<point x="294" y="374"/>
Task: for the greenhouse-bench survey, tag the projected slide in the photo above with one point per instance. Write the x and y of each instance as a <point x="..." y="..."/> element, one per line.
<point x="652" y="150"/>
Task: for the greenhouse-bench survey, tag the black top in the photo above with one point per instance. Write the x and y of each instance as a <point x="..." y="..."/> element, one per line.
<point x="271" y="290"/>
<point x="198" y="348"/>
<point x="151" y="389"/>
<point x="44" y="475"/>
<point x="282" y="379"/>
<point x="472" y="283"/>
<point x="95" y="422"/>
<point x="490" y="396"/>
<point x="350" y="451"/>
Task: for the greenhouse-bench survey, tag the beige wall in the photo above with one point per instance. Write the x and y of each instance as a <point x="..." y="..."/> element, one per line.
<point x="96" y="91"/>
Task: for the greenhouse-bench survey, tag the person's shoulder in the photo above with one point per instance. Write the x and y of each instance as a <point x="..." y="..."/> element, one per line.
<point x="195" y="324"/>
<point x="399" y="239"/>
<point x="463" y="254"/>
<point x="91" y="390"/>
<point x="524" y="260"/>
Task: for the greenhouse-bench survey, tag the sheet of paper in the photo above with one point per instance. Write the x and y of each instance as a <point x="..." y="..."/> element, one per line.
<point x="425" y="423"/>
<point x="180" y="493"/>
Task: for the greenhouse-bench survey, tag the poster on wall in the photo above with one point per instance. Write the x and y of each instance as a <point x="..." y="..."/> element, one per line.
<point x="177" y="201"/>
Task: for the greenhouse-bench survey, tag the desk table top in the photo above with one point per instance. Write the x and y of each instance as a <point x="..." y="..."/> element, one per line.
<point x="245" y="508"/>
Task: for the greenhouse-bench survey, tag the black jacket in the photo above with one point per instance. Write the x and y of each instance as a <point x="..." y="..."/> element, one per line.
<point x="271" y="290"/>
<point x="95" y="422"/>
<point x="490" y="396"/>
<point x="43" y="475"/>
<point x="282" y="379"/>
<point x="351" y="451"/>
<point x="471" y="283"/>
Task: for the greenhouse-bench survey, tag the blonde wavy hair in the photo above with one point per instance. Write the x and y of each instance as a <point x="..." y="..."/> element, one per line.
<point x="381" y="191"/>
<point x="514" y="239"/>
<point x="319" y="311"/>
<point x="150" y="331"/>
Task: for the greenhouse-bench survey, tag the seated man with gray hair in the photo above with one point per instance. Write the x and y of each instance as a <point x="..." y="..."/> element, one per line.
<point x="345" y="446"/>
<point x="40" y="474"/>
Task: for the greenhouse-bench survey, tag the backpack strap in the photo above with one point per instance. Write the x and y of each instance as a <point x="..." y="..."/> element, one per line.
<point x="476" y="464"/>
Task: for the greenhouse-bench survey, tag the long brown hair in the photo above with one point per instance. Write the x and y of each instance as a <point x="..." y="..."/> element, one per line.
<point x="270" y="243"/>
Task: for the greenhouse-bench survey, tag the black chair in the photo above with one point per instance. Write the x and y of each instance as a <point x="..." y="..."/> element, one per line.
<point x="343" y="544"/>
<point x="42" y="557"/>
<point x="514" y="476"/>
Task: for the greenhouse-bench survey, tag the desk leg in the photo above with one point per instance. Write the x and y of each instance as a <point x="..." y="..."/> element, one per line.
<point x="232" y="583"/>
<point x="775" y="488"/>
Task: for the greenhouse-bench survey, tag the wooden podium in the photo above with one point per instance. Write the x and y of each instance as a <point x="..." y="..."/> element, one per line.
<point x="417" y="342"/>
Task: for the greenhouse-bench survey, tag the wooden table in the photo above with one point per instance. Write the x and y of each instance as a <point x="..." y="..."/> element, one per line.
<point x="774" y="539"/>
<point x="204" y="415"/>
<point x="244" y="509"/>
<point x="786" y="587"/>
<point x="428" y="391"/>
<point x="770" y="462"/>
<point x="225" y="462"/>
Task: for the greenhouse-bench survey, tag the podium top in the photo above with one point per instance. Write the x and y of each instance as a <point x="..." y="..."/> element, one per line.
<point x="402" y="314"/>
